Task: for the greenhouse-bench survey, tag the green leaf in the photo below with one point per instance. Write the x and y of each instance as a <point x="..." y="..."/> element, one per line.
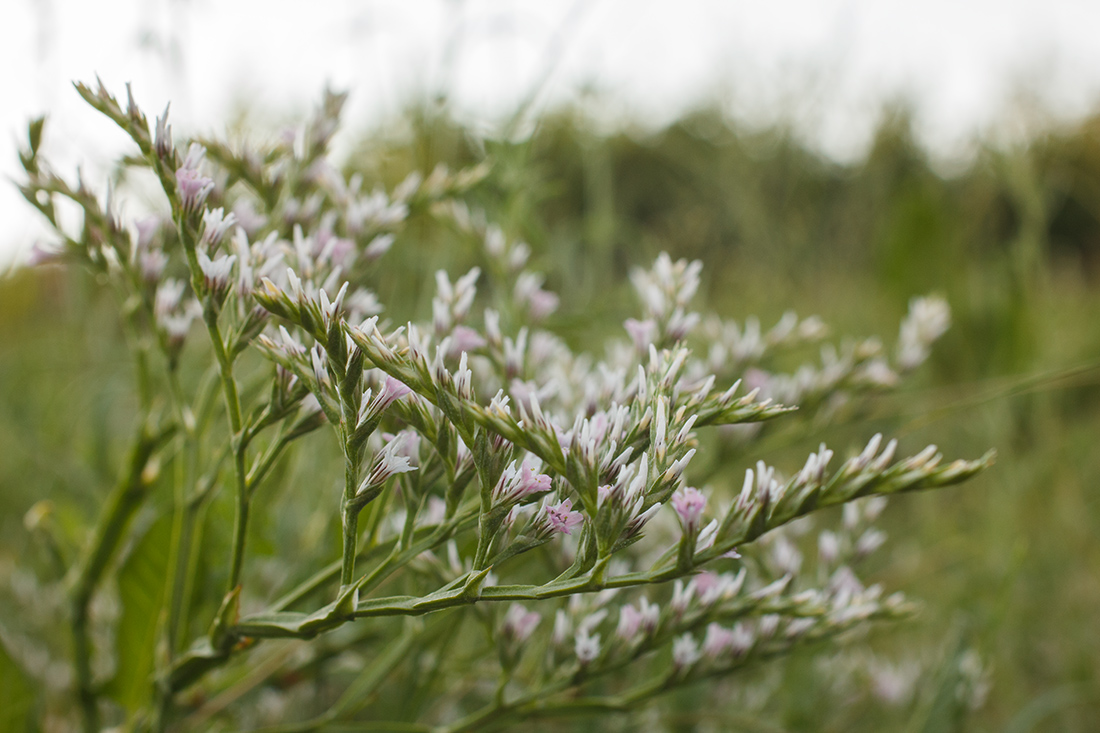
<point x="142" y="583"/>
<point x="16" y="695"/>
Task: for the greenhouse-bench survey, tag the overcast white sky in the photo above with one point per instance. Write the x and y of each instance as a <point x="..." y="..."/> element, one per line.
<point x="829" y="62"/>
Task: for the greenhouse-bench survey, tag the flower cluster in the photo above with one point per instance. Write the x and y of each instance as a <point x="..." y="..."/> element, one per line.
<point x="550" y="484"/>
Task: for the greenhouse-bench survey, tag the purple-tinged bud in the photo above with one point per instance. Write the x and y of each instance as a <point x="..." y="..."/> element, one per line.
<point x="519" y="623"/>
<point x="147" y="228"/>
<point x="162" y="142"/>
<point x="151" y="264"/>
<point x="689" y="504"/>
<point x="528" y="291"/>
<point x="391" y="391"/>
<point x="642" y="333"/>
<point x="517" y="484"/>
<point x="41" y="256"/>
<point x="193" y="188"/>
<point x="543" y="303"/>
<point x="635" y="525"/>
<point x="717" y="641"/>
<point x="407" y="443"/>
<point x="464" y="338"/>
<point x="319" y="359"/>
<point x="630" y="619"/>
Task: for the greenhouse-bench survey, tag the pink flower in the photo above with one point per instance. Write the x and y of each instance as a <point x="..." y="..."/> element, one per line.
<point x="392" y="390"/>
<point x="146" y="230"/>
<point x="543" y="303"/>
<point x="643" y="333"/>
<point x="519" y="623"/>
<point x="717" y="641"/>
<point x="531" y="482"/>
<point x="629" y="621"/>
<point x="194" y="187"/>
<point x="44" y="256"/>
<point x="464" y="338"/>
<point x="689" y="504"/>
<point x="515" y="485"/>
<point x="561" y="518"/>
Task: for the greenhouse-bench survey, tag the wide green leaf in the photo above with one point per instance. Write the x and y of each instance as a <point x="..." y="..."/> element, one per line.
<point x="16" y="695"/>
<point x="142" y="583"/>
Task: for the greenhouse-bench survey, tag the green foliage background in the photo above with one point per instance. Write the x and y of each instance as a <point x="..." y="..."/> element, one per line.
<point x="1005" y="565"/>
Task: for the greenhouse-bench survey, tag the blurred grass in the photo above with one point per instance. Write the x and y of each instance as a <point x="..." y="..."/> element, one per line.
<point x="1006" y="565"/>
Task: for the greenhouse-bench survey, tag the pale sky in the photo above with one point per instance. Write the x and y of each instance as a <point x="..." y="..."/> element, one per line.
<point x="830" y="63"/>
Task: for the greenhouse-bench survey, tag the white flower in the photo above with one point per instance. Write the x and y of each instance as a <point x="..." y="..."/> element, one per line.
<point x="214" y="226"/>
<point x="927" y="320"/>
<point x="743" y="639"/>
<point x="685" y="652"/>
<point x="216" y="273"/>
<point x="389" y="461"/>
<point x="587" y="648"/>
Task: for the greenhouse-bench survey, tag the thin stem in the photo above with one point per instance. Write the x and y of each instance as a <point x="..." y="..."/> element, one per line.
<point x="351" y="538"/>
<point x="232" y="397"/>
<point x="264" y="464"/>
<point x="350" y="514"/>
<point x="240" y="524"/>
<point x="185" y="671"/>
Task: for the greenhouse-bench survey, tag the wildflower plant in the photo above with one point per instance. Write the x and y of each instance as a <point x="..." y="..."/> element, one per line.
<point x="491" y="475"/>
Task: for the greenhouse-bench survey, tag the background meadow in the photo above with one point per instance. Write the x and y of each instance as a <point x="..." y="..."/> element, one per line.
<point x="1005" y="567"/>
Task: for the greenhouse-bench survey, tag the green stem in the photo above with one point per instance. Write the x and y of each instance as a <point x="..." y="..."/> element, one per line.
<point x="185" y="671"/>
<point x="351" y="537"/>
<point x="350" y="514"/>
<point x="232" y="400"/>
<point x="122" y="503"/>
<point x="260" y="469"/>
<point x="240" y="524"/>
